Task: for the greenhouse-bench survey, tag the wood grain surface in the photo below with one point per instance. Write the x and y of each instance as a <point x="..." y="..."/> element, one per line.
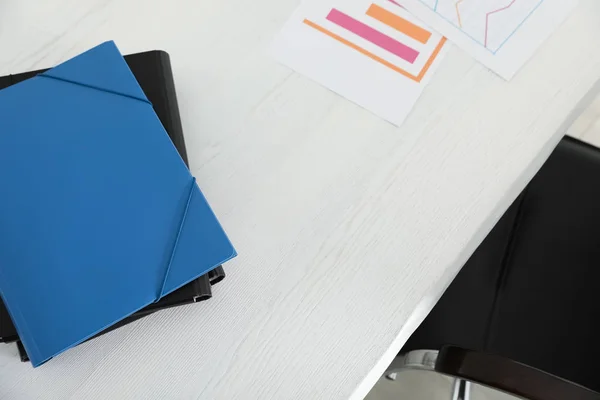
<point x="348" y="228"/>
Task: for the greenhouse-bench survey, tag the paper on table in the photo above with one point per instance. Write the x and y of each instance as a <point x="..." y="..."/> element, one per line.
<point x="501" y="34"/>
<point x="372" y="52"/>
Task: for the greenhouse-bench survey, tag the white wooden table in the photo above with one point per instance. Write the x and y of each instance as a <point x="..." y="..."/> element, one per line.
<point x="348" y="228"/>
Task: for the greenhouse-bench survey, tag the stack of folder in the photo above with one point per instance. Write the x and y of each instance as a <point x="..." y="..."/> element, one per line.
<point x="101" y="220"/>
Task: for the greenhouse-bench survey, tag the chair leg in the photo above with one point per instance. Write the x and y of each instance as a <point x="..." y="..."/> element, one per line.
<point x="423" y="360"/>
<point x="461" y="390"/>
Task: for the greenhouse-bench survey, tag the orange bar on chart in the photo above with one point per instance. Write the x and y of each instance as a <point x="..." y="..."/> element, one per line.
<point x="398" y="23"/>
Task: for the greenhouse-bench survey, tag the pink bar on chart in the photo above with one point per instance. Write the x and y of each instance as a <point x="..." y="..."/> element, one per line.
<point x="372" y="35"/>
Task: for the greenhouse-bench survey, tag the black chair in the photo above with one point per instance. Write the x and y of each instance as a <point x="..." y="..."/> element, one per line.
<point x="531" y="291"/>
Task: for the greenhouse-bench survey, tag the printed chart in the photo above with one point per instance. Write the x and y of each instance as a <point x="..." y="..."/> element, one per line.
<point x="501" y="34"/>
<point x="489" y="23"/>
<point x="373" y="52"/>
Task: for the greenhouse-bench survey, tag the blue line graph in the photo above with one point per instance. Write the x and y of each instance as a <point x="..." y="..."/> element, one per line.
<point x="519" y="26"/>
<point x="478" y="41"/>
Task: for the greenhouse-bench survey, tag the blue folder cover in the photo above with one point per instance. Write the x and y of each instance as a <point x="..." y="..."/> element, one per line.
<point x="99" y="215"/>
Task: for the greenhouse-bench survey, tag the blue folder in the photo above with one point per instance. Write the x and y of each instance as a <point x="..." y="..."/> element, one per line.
<point x="99" y="215"/>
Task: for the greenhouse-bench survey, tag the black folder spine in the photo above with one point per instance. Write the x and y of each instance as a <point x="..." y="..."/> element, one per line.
<point x="173" y="117"/>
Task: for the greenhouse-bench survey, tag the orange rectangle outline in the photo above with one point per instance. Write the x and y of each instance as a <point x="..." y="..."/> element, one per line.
<point x="398" y="23"/>
<point x="416" y="78"/>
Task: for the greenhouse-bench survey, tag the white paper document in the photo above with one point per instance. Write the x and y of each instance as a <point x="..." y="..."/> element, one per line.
<point x="501" y="34"/>
<point x="372" y="52"/>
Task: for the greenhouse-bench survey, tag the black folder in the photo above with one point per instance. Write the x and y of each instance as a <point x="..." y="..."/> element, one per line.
<point x="152" y="69"/>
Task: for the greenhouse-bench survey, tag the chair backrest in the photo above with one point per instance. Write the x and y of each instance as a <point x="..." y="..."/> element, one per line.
<point x="530" y="291"/>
